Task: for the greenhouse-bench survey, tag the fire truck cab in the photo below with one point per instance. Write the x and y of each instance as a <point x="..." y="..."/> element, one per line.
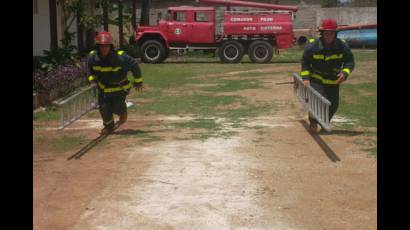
<point x="189" y="25"/>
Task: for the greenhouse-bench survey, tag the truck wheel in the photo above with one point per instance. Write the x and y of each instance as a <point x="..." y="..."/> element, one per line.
<point x="152" y="51"/>
<point x="231" y="52"/>
<point x="165" y="55"/>
<point x="260" y="52"/>
<point x="134" y="51"/>
<point x="302" y="40"/>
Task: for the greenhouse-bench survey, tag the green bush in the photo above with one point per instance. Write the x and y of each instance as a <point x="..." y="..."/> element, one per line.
<point x="59" y="56"/>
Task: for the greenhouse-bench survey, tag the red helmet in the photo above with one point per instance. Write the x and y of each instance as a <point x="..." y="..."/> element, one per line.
<point x="328" y="24"/>
<point x="103" y="38"/>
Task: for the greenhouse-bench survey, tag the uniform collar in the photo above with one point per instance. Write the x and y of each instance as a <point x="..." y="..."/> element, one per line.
<point x="321" y="46"/>
<point x="109" y="56"/>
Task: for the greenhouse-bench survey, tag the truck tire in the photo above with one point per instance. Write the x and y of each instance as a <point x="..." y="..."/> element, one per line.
<point x="152" y="51"/>
<point x="134" y="51"/>
<point x="302" y="40"/>
<point x="165" y="55"/>
<point x="260" y="52"/>
<point x="231" y="52"/>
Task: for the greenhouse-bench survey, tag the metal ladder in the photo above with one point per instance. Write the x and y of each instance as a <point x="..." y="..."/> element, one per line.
<point x="77" y="105"/>
<point x="314" y="102"/>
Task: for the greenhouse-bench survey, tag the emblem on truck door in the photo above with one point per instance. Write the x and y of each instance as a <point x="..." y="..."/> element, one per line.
<point x="178" y="31"/>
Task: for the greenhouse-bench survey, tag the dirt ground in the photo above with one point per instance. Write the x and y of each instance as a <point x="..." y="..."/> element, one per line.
<point x="277" y="177"/>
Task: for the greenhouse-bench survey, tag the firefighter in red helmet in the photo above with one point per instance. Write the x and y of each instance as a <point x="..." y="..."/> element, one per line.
<point x="326" y="62"/>
<point x="108" y="69"/>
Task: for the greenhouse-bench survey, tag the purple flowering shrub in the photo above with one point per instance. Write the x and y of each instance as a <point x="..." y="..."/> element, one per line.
<point x="62" y="78"/>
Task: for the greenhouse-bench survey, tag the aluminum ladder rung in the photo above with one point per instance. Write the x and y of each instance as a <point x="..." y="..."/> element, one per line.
<point x="313" y="101"/>
<point x="77" y="105"/>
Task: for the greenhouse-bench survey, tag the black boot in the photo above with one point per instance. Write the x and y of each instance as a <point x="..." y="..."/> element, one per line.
<point x="123" y="118"/>
<point x="108" y="128"/>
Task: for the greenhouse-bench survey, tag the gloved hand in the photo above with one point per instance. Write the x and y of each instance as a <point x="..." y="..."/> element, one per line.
<point x="306" y="82"/>
<point x="92" y="80"/>
<point x="341" y="77"/>
<point x="138" y="87"/>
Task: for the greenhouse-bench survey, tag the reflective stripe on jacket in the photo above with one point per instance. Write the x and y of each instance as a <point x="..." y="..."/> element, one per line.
<point x="112" y="73"/>
<point x="324" y="64"/>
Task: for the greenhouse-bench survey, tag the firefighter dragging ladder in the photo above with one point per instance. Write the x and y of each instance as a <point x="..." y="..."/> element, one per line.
<point x="316" y="104"/>
<point x="77" y="105"/>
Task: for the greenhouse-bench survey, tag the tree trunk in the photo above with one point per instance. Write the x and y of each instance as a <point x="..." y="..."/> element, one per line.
<point x="120" y="24"/>
<point x="134" y="15"/>
<point x="53" y="24"/>
<point x="145" y="7"/>
<point x="105" y="15"/>
<point x="80" y="30"/>
<point x="90" y="34"/>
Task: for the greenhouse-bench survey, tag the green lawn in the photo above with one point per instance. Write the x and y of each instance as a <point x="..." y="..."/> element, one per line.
<point x="192" y="89"/>
<point x="207" y="90"/>
<point x="358" y="101"/>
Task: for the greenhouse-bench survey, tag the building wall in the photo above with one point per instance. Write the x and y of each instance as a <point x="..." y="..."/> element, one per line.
<point x="115" y="33"/>
<point x="41" y="27"/>
<point x="349" y="15"/>
<point x="305" y="18"/>
<point x="61" y="27"/>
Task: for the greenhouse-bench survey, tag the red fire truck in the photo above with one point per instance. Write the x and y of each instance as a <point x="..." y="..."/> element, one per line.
<point x="216" y="26"/>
